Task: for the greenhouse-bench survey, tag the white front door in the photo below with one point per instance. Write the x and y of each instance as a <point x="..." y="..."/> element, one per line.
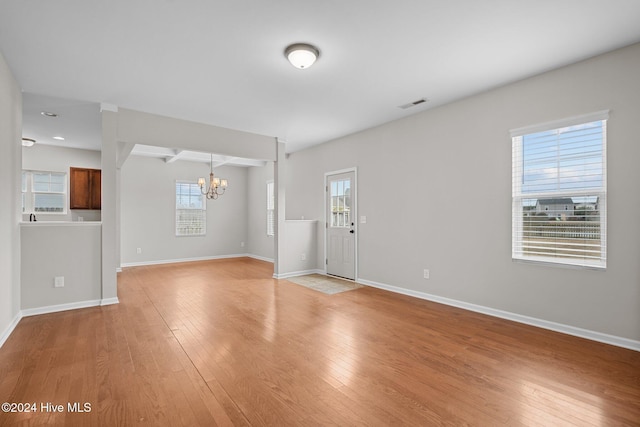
<point x="341" y="225"/>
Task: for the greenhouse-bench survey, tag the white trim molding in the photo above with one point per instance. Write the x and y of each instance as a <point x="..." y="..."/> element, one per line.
<point x="174" y="261"/>
<point x="569" y="121"/>
<point x="60" y="307"/>
<point x="260" y="258"/>
<point x="109" y="301"/>
<point x="540" y="323"/>
<point x="355" y="213"/>
<point x="297" y="273"/>
<point x="7" y="332"/>
<point x="52" y="309"/>
<point x="108" y="107"/>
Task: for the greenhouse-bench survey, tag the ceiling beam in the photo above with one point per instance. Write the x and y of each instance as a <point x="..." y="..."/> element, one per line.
<point x="176" y="156"/>
<point x="170" y="155"/>
<point x="123" y="151"/>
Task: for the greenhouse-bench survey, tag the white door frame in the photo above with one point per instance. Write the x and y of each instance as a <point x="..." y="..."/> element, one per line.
<point x="355" y="216"/>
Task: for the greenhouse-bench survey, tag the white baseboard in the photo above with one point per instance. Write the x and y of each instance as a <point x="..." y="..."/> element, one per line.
<point x="260" y="258"/>
<point x="540" y="323"/>
<point x="7" y="332"/>
<point x="297" y="273"/>
<point x="53" y="309"/>
<point x="60" y="307"/>
<point x="173" y="261"/>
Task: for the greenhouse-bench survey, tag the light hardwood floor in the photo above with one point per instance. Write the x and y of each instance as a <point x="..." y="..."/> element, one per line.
<point x="222" y="343"/>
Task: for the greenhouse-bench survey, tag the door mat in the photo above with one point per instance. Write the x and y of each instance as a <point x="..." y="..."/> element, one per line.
<point x="325" y="284"/>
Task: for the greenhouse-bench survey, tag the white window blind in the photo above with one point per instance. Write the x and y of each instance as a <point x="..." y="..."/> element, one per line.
<point x="47" y="192"/>
<point x="24" y="191"/>
<point x="559" y="192"/>
<point x="191" y="210"/>
<point x="270" y="209"/>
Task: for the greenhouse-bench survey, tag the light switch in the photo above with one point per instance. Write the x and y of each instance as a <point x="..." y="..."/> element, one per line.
<point x="363" y="219"/>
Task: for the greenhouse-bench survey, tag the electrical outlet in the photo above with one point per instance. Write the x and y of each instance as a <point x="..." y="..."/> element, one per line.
<point x="242" y="244"/>
<point x="426" y="273"/>
<point x="139" y="250"/>
<point x="58" y="282"/>
<point x="303" y="257"/>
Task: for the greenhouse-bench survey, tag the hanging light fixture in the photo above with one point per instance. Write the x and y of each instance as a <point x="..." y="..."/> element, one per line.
<point x="216" y="185"/>
<point x="301" y="55"/>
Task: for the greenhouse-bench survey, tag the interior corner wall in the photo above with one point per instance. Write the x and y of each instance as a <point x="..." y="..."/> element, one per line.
<point x="259" y="244"/>
<point x="436" y="190"/>
<point x="147" y="198"/>
<point x="10" y="176"/>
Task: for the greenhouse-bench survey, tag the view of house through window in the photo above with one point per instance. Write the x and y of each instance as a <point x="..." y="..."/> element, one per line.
<point x="44" y="192"/>
<point x="559" y="193"/>
<point x="341" y="203"/>
<point x="191" y="210"/>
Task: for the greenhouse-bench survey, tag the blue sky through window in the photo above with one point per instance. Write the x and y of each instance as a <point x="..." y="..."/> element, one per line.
<point x="564" y="159"/>
<point x="188" y="196"/>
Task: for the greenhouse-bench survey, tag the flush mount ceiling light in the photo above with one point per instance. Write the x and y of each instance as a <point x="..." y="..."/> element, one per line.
<point x="301" y="55"/>
<point x="28" y="142"/>
<point x="48" y="114"/>
<point x="59" y="138"/>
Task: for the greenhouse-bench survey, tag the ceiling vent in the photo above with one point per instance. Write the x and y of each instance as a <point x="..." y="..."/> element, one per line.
<point x="414" y="103"/>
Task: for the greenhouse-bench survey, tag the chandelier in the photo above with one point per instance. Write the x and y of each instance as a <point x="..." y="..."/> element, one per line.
<point x="216" y="185"/>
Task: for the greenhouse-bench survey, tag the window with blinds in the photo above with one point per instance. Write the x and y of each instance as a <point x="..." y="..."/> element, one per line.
<point x="559" y="192"/>
<point x="44" y="192"/>
<point x="191" y="210"/>
<point x="271" y="203"/>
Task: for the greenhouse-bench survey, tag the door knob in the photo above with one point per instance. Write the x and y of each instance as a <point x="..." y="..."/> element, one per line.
<point x="351" y="231"/>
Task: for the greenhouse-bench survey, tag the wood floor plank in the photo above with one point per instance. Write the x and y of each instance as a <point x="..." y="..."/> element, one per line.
<point x="223" y="343"/>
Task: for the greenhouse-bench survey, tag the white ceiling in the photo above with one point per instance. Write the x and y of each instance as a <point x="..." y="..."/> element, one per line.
<point x="78" y="122"/>
<point x="222" y="62"/>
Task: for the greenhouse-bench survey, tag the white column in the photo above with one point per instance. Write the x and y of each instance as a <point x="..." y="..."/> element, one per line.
<point x="279" y="187"/>
<point x="110" y="204"/>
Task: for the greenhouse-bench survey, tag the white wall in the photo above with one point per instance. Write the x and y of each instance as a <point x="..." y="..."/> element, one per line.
<point x="69" y="250"/>
<point x="259" y="244"/>
<point x="10" y="160"/>
<point x="59" y="159"/>
<point x="148" y="212"/>
<point x="299" y="247"/>
<point x="151" y="129"/>
<point x="436" y="190"/>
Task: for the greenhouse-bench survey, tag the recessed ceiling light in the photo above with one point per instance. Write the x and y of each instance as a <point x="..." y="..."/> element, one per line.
<point x="28" y="142"/>
<point x="48" y="114"/>
<point x="301" y="55"/>
<point x="59" y="138"/>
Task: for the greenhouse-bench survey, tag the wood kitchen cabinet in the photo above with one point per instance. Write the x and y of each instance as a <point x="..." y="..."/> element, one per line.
<point x="85" y="188"/>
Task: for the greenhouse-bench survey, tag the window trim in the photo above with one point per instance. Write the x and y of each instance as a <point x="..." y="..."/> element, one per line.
<point x="517" y="195"/>
<point x="29" y="193"/>
<point x="177" y="209"/>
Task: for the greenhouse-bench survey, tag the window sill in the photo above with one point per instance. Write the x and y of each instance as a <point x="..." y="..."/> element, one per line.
<point x="551" y="262"/>
<point x="59" y="223"/>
